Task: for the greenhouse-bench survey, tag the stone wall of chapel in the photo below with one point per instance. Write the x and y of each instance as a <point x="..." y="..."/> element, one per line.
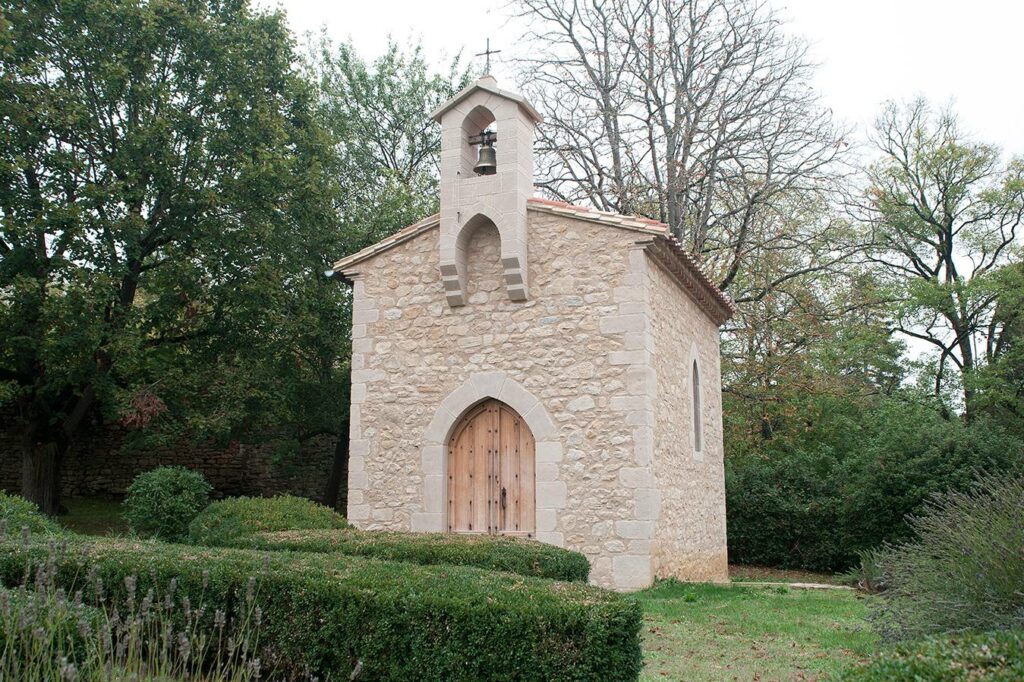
<point x="569" y="345"/>
<point x="690" y="534"/>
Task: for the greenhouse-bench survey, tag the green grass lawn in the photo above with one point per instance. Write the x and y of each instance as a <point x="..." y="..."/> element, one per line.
<point x="93" y="516"/>
<point x="709" y="632"/>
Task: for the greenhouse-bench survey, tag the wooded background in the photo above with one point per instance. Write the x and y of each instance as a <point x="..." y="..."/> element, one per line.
<point x="176" y="176"/>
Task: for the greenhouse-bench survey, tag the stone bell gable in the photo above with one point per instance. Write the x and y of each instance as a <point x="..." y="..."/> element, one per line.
<point x="582" y="410"/>
<point x="468" y="198"/>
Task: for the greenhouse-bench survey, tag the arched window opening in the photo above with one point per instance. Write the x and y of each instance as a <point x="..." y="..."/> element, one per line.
<point x="698" y="421"/>
<point x="479" y="120"/>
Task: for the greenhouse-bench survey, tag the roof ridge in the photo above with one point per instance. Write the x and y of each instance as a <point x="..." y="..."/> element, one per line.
<point x="657" y="231"/>
<point x="598" y="212"/>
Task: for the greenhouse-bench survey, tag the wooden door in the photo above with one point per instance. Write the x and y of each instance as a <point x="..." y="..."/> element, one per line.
<point x="491" y="458"/>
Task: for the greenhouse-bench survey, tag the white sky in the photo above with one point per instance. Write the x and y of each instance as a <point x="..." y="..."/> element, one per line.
<point x="970" y="52"/>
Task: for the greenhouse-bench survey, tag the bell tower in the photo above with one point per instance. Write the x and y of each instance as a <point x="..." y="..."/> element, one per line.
<point x="486" y="175"/>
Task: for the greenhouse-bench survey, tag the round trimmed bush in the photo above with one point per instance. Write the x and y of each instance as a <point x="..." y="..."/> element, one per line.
<point x="17" y="513"/>
<point x="232" y="520"/>
<point x="162" y="502"/>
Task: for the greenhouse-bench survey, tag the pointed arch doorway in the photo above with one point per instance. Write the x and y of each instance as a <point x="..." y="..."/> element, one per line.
<point x="491" y="472"/>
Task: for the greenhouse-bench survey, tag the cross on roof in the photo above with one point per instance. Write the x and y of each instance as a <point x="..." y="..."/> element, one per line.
<point x="487" y="54"/>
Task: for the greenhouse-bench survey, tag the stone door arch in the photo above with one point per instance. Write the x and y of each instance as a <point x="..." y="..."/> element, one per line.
<point x="550" y="491"/>
<point x="491" y="473"/>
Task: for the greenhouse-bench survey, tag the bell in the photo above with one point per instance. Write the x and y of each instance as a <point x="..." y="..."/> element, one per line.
<point x="486" y="163"/>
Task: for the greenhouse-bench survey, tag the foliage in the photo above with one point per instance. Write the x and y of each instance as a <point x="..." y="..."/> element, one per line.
<point x="844" y="476"/>
<point x="948" y="214"/>
<point x="17" y="513"/>
<point x="389" y="146"/>
<point x="994" y="657"/>
<point x="162" y="502"/>
<point x="161" y="188"/>
<point x="158" y="635"/>
<point x="328" y="614"/>
<point x="965" y="570"/>
<point x="512" y="555"/>
<point x="998" y="386"/>
<point x="232" y="521"/>
<point x="41" y="635"/>
<point x="868" y="573"/>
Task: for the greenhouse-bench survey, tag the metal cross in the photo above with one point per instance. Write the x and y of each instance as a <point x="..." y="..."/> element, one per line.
<point x="487" y="54"/>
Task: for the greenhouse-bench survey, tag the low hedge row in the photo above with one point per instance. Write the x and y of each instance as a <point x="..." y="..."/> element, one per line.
<point x="512" y="555"/>
<point x="996" y="657"/>
<point x="328" y="613"/>
<point x="296" y="524"/>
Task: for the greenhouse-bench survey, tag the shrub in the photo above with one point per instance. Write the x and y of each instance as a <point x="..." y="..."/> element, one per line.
<point x="513" y="555"/>
<point x="398" y="621"/>
<point x="229" y="522"/>
<point x="298" y="524"/>
<point x="868" y="574"/>
<point x="844" y="477"/>
<point x="162" y="502"/>
<point x="17" y="513"/>
<point x="785" y="512"/>
<point x="990" y="656"/>
<point x="965" y="571"/>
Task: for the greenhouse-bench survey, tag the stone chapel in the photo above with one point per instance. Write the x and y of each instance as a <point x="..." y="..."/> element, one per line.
<point x="527" y="367"/>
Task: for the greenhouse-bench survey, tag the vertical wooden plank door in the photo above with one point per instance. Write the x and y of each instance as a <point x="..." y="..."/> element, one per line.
<point x="491" y="460"/>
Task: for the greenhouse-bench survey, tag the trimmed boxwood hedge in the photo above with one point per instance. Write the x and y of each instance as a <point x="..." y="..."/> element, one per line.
<point x="401" y="621"/>
<point x="297" y="524"/>
<point x="226" y="522"/>
<point x="513" y="555"/>
<point x="985" y="656"/>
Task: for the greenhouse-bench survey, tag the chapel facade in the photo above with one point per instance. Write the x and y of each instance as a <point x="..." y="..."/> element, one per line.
<point x="527" y="367"/>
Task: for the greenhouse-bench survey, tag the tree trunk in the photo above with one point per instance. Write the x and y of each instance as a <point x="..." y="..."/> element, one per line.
<point x="336" y="492"/>
<point x="40" y="475"/>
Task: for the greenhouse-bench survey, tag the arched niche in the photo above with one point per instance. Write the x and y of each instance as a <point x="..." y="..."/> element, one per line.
<point x="476" y="260"/>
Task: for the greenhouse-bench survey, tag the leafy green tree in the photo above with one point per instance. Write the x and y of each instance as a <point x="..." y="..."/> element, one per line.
<point x="379" y="113"/>
<point x="158" y="175"/>
<point x="948" y="215"/>
<point x="386" y="155"/>
<point x="844" y="474"/>
<point x="999" y="385"/>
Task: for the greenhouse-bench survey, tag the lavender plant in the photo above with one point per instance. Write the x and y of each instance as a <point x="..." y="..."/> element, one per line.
<point x="965" y="569"/>
<point x="46" y="634"/>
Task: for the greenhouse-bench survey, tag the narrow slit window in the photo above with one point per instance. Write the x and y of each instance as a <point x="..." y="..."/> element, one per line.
<point x="698" y="422"/>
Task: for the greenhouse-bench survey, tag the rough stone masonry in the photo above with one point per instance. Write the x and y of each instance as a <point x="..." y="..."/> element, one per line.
<point x="597" y="329"/>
